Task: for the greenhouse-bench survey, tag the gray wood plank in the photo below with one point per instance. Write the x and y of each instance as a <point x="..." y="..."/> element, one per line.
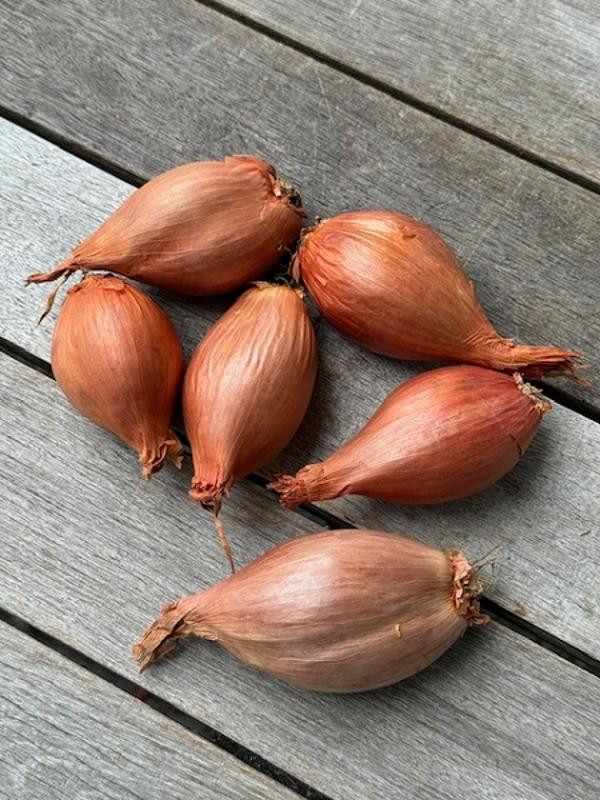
<point x="150" y="84"/>
<point x="544" y="516"/>
<point x="525" y="72"/>
<point x="68" y="734"/>
<point x="91" y="558"/>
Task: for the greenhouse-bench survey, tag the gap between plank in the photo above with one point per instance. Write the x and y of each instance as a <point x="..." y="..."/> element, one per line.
<point x="164" y="707"/>
<point x="405" y="97"/>
<point x="71" y="146"/>
<point x="541" y="637"/>
<point x="575" y="404"/>
<point x="322" y="518"/>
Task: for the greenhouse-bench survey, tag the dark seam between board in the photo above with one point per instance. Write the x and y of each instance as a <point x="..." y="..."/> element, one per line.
<point x="164" y="707"/>
<point x="405" y="97"/>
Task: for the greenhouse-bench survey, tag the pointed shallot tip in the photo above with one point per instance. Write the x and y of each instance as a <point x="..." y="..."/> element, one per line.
<point x="466" y="589"/>
<point x="160" y="638"/>
<point x="291" y="491"/>
<point x="145" y="659"/>
<point x="555" y="365"/>
<point x="52" y="296"/>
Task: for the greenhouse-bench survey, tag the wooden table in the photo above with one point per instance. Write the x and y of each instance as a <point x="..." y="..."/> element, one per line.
<point x="481" y="119"/>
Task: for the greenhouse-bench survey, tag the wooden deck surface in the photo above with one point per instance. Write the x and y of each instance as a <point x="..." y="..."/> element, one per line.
<point x="363" y="105"/>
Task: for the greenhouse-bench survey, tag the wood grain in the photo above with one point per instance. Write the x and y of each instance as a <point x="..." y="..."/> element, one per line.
<point x="544" y="517"/>
<point x="68" y="734"/>
<point x="151" y="84"/>
<point x="90" y="553"/>
<point x="525" y="72"/>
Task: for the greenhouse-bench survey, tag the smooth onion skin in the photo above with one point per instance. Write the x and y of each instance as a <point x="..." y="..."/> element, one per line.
<point x="442" y="435"/>
<point x="203" y="228"/>
<point x="118" y="359"/>
<point x="342" y="611"/>
<point x="392" y="284"/>
<point x="247" y="387"/>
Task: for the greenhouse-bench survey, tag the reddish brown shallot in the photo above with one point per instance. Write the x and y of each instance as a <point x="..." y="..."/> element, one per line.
<point x="201" y="228"/>
<point x="393" y="285"/>
<point x="445" y="434"/>
<point x="246" y="389"/>
<point x="342" y="611"/>
<point x="118" y="359"/>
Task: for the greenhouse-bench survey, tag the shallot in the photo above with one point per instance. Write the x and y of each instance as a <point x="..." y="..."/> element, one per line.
<point x="118" y="359"/>
<point x="442" y="435"/>
<point x="342" y="611"/>
<point x="201" y="228"/>
<point x="247" y="388"/>
<point x="393" y="285"/>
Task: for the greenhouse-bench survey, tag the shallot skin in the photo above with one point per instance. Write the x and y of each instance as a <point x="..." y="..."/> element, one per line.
<point x="118" y="359"/>
<point x="442" y="435"/>
<point x="202" y="228"/>
<point x="342" y="611"/>
<point x="392" y="284"/>
<point x="247" y="388"/>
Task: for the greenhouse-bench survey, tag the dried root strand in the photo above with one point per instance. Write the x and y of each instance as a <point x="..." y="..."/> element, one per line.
<point x="224" y="542"/>
<point x="211" y="496"/>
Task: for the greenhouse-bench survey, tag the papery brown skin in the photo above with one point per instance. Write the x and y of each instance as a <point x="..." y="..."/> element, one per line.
<point x="341" y="611"/>
<point x="247" y="388"/>
<point x="118" y="359"/>
<point x="202" y="228"/>
<point x="440" y="436"/>
<point x="390" y="283"/>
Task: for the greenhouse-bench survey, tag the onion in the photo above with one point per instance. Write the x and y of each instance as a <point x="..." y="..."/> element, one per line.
<point x="445" y="434"/>
<point x="341" y="611"/>
<point x="118" y="359"/>
<point x="201" y="228"/>
<point x="391" y="284"/>
<point x="247" y="388"/>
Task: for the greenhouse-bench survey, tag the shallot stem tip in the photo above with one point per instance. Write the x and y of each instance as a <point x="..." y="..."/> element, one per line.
<point x="52" y="296"/>
<point x="292" y="491"/>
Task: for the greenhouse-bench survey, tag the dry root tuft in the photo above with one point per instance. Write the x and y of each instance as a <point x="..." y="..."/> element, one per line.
<point x="153" y="460"/>
<point x="466" y="590"/>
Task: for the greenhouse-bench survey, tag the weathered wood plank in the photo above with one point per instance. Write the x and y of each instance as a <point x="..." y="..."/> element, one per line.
<point x="68" y="734"/>
<point x="525" y="72"/>
<point x="91" y="558"/>
<point x="539" y="515"/>
<point x="149" y="84"/>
